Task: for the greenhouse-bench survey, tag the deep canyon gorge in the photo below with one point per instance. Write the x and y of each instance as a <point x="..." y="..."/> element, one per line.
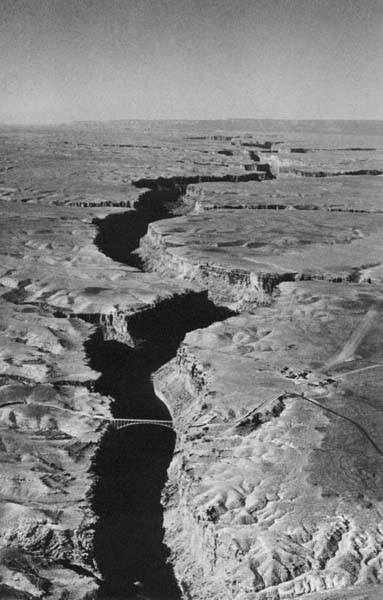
<point x="226" y="283"/>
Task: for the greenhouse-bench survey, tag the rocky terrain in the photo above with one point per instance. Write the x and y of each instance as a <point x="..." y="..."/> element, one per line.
<point x="190" y="272"/>
<point x="287" y="401"/>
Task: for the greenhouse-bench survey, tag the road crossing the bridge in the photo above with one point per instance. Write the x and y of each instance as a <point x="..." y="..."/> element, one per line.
<point x="115" y="423"/>
<point x="122" y="423"/>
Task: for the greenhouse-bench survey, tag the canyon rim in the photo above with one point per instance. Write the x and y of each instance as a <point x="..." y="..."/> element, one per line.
<point x="191" y="361"/>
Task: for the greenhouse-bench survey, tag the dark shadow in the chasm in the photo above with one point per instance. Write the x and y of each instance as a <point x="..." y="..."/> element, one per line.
<point x="131" y="467"/>
<point x="120" y="233"/>
<point x="131" y="464"/>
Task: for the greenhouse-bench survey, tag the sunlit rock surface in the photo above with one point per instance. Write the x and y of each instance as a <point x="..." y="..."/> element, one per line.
<point x="50" y="425"/>
<point x="335" y="194"/>
<point x="275" y="488"/>
<point x="280" y="456"/>
<point x="49" y="256"/>
<point x="242" y="255"/>
<point x="82" y="167"/>
<point x="333" y="160"/>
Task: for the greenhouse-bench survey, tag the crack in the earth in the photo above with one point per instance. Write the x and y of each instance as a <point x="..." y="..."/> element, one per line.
<point x="131" y="464"/>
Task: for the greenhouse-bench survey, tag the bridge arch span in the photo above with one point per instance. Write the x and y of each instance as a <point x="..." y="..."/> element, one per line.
<point x="123" y="423"/>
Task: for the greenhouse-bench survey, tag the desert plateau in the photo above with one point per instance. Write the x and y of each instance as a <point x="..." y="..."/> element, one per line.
<point x="191" y="360"/>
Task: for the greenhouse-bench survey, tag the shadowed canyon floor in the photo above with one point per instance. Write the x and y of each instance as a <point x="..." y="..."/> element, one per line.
<point x="181" y="271"/>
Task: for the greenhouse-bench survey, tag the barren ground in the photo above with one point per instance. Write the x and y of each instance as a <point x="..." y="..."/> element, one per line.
<point x="178" y="271"/>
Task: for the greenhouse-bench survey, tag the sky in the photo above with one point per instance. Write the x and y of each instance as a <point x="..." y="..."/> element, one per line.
<point x="66" y="60"/>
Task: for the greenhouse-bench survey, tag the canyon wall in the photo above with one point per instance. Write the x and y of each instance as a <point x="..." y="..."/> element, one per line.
<point x="248" y="306"/>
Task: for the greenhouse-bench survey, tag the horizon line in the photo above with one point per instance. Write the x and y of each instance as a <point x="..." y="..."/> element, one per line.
<point x="187" y="119"/>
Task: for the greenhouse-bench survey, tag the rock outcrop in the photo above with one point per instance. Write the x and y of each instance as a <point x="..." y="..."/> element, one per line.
<point x="50" y="425"/>
<point x="280" y="448"/>
<point x="241" y="256"/>
<point x="273" y="381"/>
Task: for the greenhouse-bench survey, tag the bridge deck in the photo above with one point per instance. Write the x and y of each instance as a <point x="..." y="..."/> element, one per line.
<point x="120" y="423"/>
<point x="116" y="423"/>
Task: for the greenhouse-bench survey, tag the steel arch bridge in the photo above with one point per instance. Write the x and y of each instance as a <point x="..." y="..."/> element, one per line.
<point x="114" y="423"/>
<point x="123" y="423"/>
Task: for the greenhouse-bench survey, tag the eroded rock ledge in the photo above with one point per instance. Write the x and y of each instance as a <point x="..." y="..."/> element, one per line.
<point x="242" y="257"/>
<point x="275" y="487"/>
<point x="56" y="288"/>
<point x="49" y="428"/>
<point x="280" y="449"/>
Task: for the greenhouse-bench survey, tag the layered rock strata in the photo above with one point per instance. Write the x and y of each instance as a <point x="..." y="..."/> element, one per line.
<point x="241" y="256"/>
<point x="275" y="487"/>
<point x="347" y="194"/>
<point x="280" y="449"/>
<point x="50" y="425"/>
<point x="56" y="287"/>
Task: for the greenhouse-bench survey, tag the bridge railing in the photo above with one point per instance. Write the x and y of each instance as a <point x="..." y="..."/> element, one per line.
<point x="121" y="423"/>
